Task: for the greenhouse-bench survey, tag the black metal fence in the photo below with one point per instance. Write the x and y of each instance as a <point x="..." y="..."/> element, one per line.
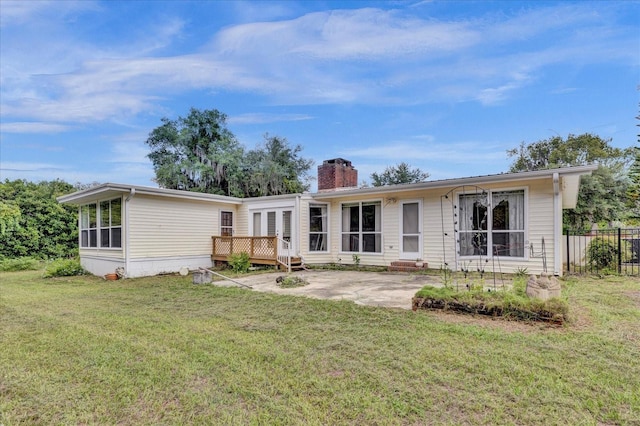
<point x="603" y="251"/>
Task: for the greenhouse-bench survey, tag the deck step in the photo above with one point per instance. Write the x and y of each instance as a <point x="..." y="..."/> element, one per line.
<point x="406" y="266"/>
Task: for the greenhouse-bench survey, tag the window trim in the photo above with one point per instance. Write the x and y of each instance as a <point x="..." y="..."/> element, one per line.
<point x="360" y="232"/>
<point x="327" y="233"/>
<point x="98" y="225"/>
<point x="490" y="231"/>
<point x="232" y="227"/>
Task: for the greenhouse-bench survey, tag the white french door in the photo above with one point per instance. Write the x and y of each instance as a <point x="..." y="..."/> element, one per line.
<point x="411" y="229"/>
<point x="275" y="223"/>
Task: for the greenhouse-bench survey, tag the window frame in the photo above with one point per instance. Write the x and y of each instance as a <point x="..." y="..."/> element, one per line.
<point x="227" y="227"/>
<point x="326" y="233"/>
<point x="489" y="232"/>
<point x="361" y="233"/>
<point x="96" y="229"/>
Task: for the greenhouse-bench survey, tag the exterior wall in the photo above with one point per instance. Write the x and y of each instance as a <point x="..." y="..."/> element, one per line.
<point x="165" y="227"/>
<point x="99" y="264"/>
<point x="166" y="234"/>
<point x="438" y="236"/>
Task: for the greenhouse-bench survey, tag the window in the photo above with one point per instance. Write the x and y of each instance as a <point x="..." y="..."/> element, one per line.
<point x="101" y="224"/>
<point x="88" y="226"/>
<point x="362" y="227"/>
<point x="257" y="224"/>
<point x="508" y="223"/>
<point x="498" y="224"/>
<point x="318" y="227"/>
<point x="226" y="224"/>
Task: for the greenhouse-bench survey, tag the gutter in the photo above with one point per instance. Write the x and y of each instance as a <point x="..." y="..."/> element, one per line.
<point x="127" y="240"/>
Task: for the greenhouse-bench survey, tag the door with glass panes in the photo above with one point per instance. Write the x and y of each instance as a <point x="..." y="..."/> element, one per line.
<point x="275" y="223"/>
<point x="411" y="230"/>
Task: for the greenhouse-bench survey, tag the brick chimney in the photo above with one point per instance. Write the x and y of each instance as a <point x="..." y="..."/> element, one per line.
<point x="335" y="174"/>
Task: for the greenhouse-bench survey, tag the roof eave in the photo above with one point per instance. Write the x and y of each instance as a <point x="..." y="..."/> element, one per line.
<point x="91" y="194"/>
<point x="448" y="183"/>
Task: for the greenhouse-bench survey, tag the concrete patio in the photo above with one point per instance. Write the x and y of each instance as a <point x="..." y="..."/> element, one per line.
<point x="387" y="289"/>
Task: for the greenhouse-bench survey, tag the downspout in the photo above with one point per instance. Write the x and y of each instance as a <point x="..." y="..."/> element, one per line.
<point x="127" y="244"/>
<point x="557" y="226"/>
<point x="297" y="226"/>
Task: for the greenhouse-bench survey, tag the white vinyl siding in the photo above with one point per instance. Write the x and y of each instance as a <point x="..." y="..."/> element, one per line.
<point x="172" y="227"/>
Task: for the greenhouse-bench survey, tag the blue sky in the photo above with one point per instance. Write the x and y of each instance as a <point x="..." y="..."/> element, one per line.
<point x="446" y="86"/>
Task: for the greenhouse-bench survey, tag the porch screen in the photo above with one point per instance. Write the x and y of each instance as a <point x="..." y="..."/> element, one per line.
<point x="101" y="224"/>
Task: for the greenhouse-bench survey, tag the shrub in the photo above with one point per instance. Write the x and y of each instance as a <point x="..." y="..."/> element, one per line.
<point x="19" y="264"/>
<point x="239" y="262"/>
<point x="63" y="268"/>
<point x="602" y="253"/>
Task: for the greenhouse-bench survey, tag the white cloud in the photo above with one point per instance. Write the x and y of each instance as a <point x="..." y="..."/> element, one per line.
<point x="261" y="118"/>
<point x="32" y="127"/>
<point x="458" y="152"/>
<point x="367" y="56"/>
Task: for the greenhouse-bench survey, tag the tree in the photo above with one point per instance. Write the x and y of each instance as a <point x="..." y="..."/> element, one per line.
<point x="401" y="173"/>
<point x="602" y="196"/>
<point x="197" y="153"/>
<point x="633" y="192"/>
<point x="275" y="168"/>
<point x="35" y="224"/>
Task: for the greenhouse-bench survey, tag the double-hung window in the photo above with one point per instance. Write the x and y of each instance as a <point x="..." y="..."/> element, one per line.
<point x="362" y="227"/>
<point x="318" y="225"/>
<point x="492" y="219"/>
<point x="101" y="224"/>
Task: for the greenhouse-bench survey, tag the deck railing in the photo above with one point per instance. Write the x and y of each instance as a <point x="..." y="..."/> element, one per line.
<point x="265" y="248"/>
<point x="284" y="257"/>
<point x="261" y="250"/>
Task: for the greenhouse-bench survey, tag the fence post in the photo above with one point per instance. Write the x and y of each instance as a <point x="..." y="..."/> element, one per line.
<point x="619" y="251"/>
<point x="568" y="254"/>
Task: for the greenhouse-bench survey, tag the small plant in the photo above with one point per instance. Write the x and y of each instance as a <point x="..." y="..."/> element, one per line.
<point x="19" y="264"/>
<point x="447" y="276"/>
<point x="64" y="268"/>
<point x="291" y="282"/>
<point x="239" y="262"/>
<point x="521" y="272"/>
<point x="356" y="259"/>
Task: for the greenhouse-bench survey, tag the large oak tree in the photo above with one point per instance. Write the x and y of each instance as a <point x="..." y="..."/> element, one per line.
<point x="199" y="153"/>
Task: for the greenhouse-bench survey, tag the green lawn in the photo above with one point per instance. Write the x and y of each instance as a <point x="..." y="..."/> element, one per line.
<point x="164" y="351"/>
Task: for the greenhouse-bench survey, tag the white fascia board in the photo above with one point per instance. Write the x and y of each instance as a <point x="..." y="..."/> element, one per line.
<point x="106" y="189"/>
<point x="449" y="183"/>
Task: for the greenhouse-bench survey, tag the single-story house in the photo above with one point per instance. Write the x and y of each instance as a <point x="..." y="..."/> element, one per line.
<point x="503" y="222"/>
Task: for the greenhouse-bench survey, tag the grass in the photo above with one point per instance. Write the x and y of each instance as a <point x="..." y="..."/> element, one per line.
<point x="509" y="302"/>
<point x="80" y="350"/>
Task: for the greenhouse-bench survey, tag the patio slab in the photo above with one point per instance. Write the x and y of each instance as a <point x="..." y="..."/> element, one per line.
<point x="387" y="289"/>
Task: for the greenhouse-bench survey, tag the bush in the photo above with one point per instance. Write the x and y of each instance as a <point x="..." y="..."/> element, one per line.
<point x="239" y="262"/>
<point x="63" y="268"/>
<point x="602" y="253"/>
<point x="19" y="264"/>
